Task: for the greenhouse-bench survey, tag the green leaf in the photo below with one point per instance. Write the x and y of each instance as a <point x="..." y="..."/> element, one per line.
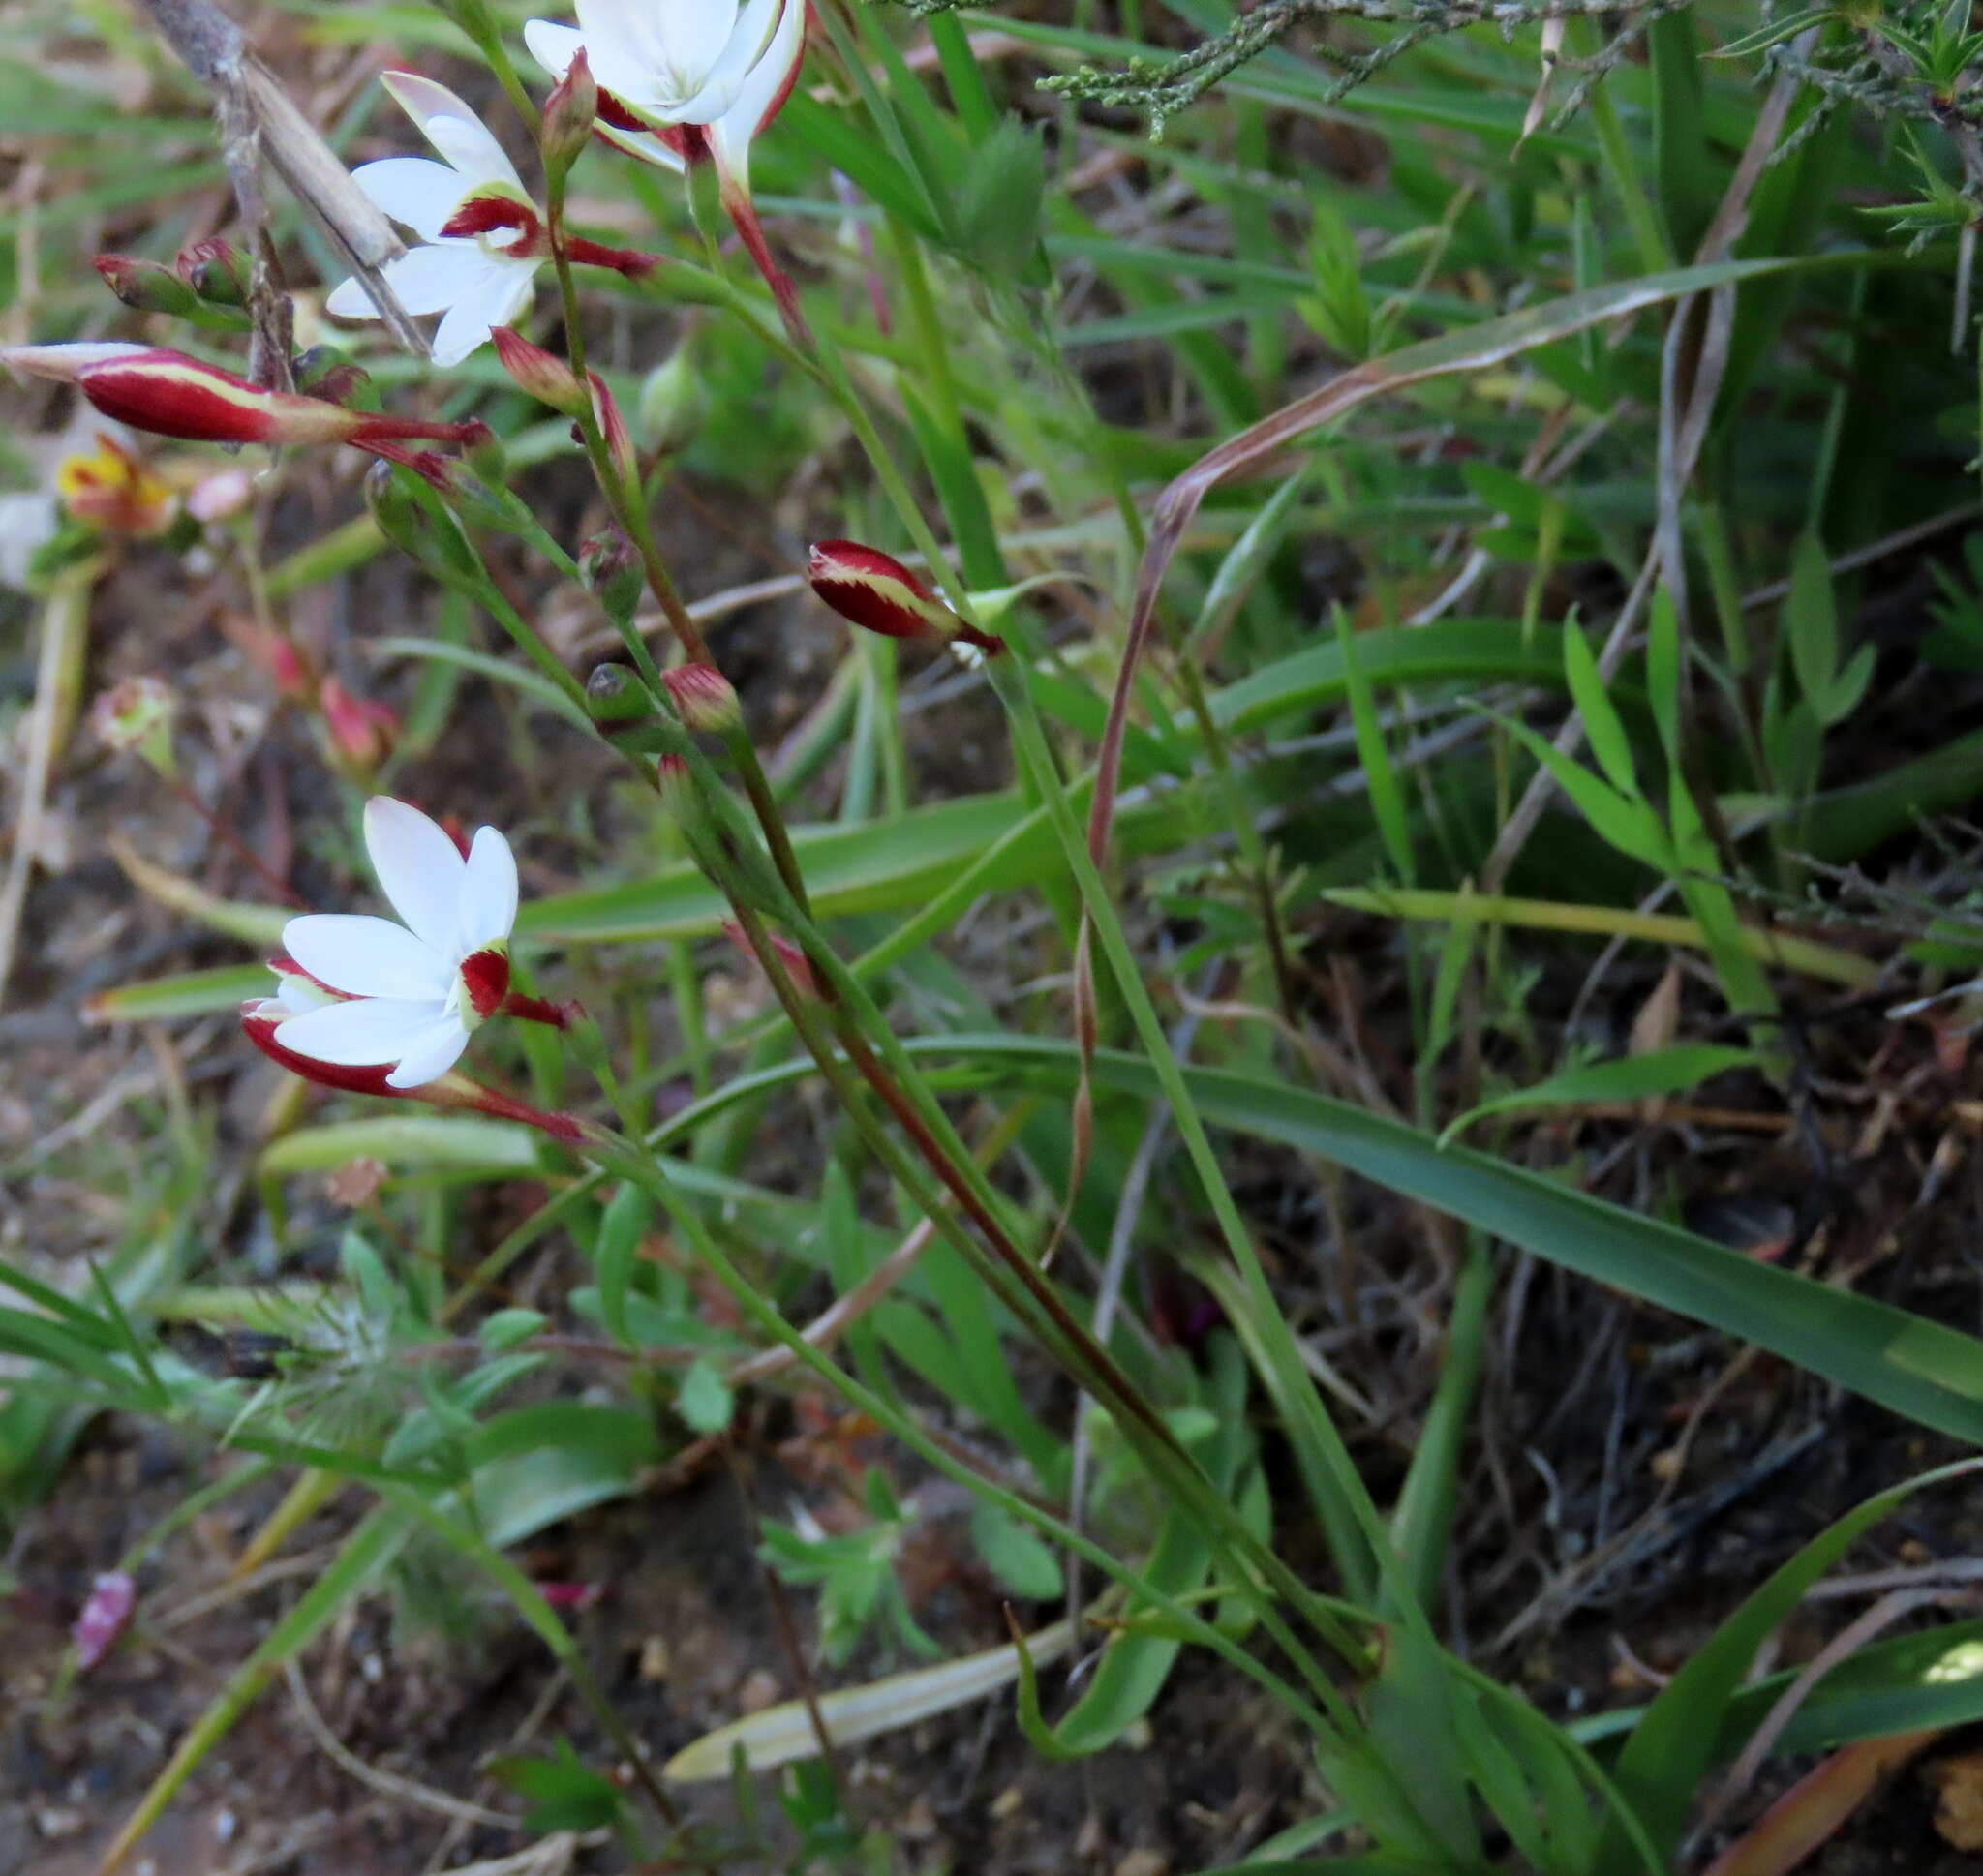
<point x="1602" y="726"/>
<point x="1745" y="45"/>
<point x="704" y="1400"/>
<point x="1673" y="1744"/>
<point x="623" y="1226"/>
<point x="506" y="1328"/>
<point x="445" y="1143"/>
<point x="998" y="205"/>
<point x="563" y="1794"/>
<point x="1631" y="1077"/>
<point x="191" y="993"/>
<point x="1811" y="618"/>
<point x="1016" y="1556"/>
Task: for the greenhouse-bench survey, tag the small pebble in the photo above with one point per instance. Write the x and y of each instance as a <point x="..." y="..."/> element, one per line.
<point x="1144" y="1862"/>
<point x="760" y="1689"/>
<point x="654" y="1659"/>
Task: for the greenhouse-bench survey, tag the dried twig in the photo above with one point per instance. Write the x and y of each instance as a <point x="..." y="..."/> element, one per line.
<point x="259" y="118"/>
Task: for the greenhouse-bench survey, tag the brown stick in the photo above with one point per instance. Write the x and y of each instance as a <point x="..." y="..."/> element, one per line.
<point x="259" y="118"/>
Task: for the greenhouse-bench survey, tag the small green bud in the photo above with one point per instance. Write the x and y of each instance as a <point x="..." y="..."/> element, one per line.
<point x="613" y="694"/>
<point x="612" y="573"/>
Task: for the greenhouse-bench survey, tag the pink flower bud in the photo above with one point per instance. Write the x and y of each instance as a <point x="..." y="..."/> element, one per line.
<point x="877" y="592"/>
<point x="363" y="731"/>
<point x="704" y="698"/>
<point x="570" y="114"/>
<point x="539" y="374"/>
<point x="105" y="1616"/>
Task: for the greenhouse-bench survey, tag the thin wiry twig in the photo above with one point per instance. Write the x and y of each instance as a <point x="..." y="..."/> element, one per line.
<point x="259" y="119"/>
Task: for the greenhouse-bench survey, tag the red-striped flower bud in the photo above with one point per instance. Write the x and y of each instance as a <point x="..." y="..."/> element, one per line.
<point x="877" y="592"/>
<point x="619" y="440"/>
<point x="66" y="363"/>
<point x="540" y="374"/>
<point x="704" y="698"/>
<point x="170" y="395"/>
<point x="147" y="285"/>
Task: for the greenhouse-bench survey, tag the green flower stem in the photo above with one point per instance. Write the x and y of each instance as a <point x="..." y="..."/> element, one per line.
<point x="652" y="1177"/>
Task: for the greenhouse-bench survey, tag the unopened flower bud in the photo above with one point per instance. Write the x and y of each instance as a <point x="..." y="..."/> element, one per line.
<point x="539" y="374"/>
<point x="135" y="716"/>
<point x="704" y="698"/>
<point x="326" y="372"/>
<point x="477" y="500"/>
<point x="619" y="440"/>
<point x="147" y="285"/>
<point x="612" y="573"/>
<point x="362" y="731"/>
<point x="280" y="658"/>
<point x="153" y="388"/>
<point x="798" y="966"/>
<point x="570" y="114"/>
<point x="217" y="270"/>
<point x="105" y="1616"/>
<point x="674" y="401"/>
<point x="613" y="694"/>
<point x="877" y="592"/>
<point x="677" y="786"/>
<point x="394" y="509"/>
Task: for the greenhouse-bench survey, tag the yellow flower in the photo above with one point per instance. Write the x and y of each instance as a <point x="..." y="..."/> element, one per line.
<point x="114" y="493"/>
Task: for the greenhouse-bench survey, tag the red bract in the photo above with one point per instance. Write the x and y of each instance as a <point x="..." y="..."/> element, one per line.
<point x="877" y="592"/>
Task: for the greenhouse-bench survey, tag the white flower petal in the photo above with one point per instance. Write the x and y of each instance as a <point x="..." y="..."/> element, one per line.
<point x="419" y="869"/>
<point x="367" y="957"/>
<point x="724" y="78"/>
<point x="431" y="1054"/>
<point x="494" y="296"/>
<point x="452" y="128"/>
<point x="552" y="45"/>
<point x="429" y="279"/>
<point x="760" y="95"/>
<point x="365" y="1033"/>
<point x="295" y="997"/>
<point x="488" y="892"/>
<point x="415" y="191"/>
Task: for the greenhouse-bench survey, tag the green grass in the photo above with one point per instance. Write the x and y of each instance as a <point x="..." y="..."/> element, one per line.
<point x="1304" y="461"/>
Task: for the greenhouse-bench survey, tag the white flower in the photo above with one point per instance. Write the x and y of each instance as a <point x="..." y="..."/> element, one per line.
<point x="410" y="995"/>
<point x="668" y="62"/>
<point x="476" y="282"/>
